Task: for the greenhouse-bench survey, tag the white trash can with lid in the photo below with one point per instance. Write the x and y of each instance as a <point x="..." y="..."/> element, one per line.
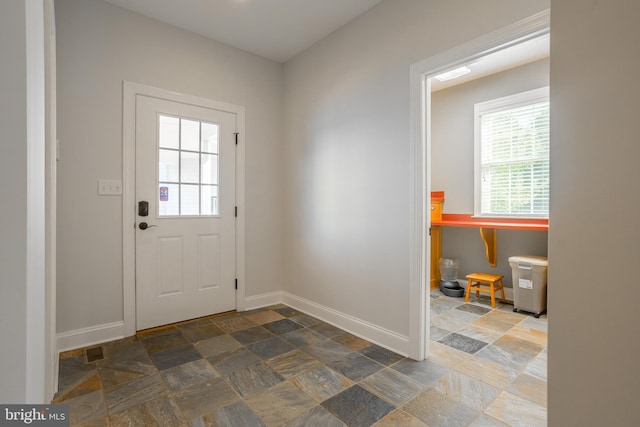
<point x="529" y="283"/>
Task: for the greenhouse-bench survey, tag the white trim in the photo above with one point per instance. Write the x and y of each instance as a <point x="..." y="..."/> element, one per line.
<point x="383" y="337"/>
<point x="420" y="148"/>
<point x="51" y="372"/>
<point x="36" y="345"/>
<point x="262" y="300"/>
<point x="80" y="338"/>
<point x="491" y="106"/>
<point x="130" y="91"/>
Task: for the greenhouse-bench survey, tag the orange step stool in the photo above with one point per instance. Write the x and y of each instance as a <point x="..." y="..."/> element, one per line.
<point x="476" y="281"/>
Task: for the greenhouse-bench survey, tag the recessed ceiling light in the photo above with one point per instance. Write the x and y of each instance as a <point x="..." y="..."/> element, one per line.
<point x="453" y="74"/>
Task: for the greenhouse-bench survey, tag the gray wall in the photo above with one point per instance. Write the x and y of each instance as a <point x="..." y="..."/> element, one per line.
<point x="99" y="46"/>
<point x="346" y="152"/>
<point x="452" y="167"/>
<point x="594" y="335"/>
<point x="22" y="195"/>
<point x="13" y="227"/>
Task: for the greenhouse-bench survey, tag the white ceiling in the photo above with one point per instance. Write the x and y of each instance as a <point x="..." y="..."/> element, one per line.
<point x="502" y="60"/>
<point x="274" y="29"/>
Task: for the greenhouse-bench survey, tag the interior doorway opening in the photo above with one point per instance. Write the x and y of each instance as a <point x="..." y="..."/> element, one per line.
<point x="498" y="43"/>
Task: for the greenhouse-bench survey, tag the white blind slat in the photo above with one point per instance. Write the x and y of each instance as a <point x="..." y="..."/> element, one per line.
<point x="514" y="160"/>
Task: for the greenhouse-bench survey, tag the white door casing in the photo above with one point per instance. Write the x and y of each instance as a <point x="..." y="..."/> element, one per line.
<point x="131" y="93"/>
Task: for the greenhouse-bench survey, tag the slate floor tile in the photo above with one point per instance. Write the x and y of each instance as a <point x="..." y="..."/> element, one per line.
<point x="464" y="343"/>
<point x="283" y="326"/>
<point x="475" y="309"/>
<point x="355" y="366"/>
<point x="72" y="372"/>
<point x="199" y="333"/>
<point x="530" y="388"/>
<point x="328" y="351"/>
<point x="381" y="355"/>
<point x="392" y="386"/>
<point x="118" y="371"/>
<point x="126" y="387"/>
<point x="463" y="388"/>
<point x="134" y="393"/>
<point x="516" y="411"/>
<point x="293" y="363"/>
<point x="237" y="414"/>
<point x="265" y="316"/>
<point x="305" y="320"/>
<point x="271" y="347"/>
<point x="234" y="324"/>
<point x="188" y="374"/>
<point x="480" y="334"/>
<point x="351" y="341"/>
<point x="251" y="335"/>
<point x="400" y="418"/>
<point x="287" y="311"/>
<point x="89" y="385"/>
<point x="316" y="417"/>
<point x="204" y="397"/>
<point x="157" y="343"/>
<point x="253" y="378"/>
<point x="437" y="410"/>
<point x="161" y="411"/>
<point x="302" y="337"/>
<point x="175" y="356"/>
<point x="237" y="360"/>
<point x="424" y="372"/>
<point x="218" y="348"/>
<point x="327" y="330"/>
<point x="321" y="383"/>
<point x="86" y="408"/>
<point x="280" y="404"/>
<point x="358" y="407"/>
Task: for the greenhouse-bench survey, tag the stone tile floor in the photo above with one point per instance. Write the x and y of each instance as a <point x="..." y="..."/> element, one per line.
<point x="279" y="367"/>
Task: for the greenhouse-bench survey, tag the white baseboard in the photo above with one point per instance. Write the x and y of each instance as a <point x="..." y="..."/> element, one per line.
<point x="383" y="337"/>
<point x="93" y="335"/>
<point x="393" y="341"/>
<point x="263" y="300"/>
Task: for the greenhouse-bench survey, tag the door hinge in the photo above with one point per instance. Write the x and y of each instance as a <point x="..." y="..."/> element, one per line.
<point x="236" y="283"/>
<point x="429" y="231"/>
<point x="236" y="134"/>
<point x="236" y="212"/>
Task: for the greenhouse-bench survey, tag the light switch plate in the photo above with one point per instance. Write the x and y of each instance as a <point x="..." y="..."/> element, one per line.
<point x="109" y="187"/>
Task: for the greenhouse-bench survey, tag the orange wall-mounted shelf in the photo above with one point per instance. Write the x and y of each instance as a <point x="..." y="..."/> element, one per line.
<point x="468" y="220"/>
<point x="488" y="228"/>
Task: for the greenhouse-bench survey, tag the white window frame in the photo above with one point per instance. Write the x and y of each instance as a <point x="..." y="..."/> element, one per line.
<point x="494" y="105"/>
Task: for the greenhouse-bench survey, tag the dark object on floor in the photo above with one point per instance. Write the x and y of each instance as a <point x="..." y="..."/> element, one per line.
<point x="451" y="288"/>
<point x="94" y="354"/>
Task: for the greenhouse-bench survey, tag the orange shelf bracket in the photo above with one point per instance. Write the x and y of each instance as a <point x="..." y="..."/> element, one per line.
<point x="489" y="237"/>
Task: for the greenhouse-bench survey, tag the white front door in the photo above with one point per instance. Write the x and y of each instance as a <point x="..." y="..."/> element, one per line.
<point x="185" y="207"/>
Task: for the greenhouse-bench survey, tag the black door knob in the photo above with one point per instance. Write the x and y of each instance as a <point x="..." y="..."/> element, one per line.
<point x="143" y="226"/>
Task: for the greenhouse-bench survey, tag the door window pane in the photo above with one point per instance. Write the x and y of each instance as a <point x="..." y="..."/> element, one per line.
<point x="188" y="167"/>
<point x="169" y="165"/>
<point x="189" y="199"/>
<point x="209" y="168"/>
<point x="169" y="199"/>
<point x="189" y="135"/>
<point x="209" y="200"/>
<point x="169" y="132"/>
<point x="209" y="138"/>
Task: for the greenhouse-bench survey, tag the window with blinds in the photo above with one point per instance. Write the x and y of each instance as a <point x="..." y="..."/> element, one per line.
<point x="512" y="155"/>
